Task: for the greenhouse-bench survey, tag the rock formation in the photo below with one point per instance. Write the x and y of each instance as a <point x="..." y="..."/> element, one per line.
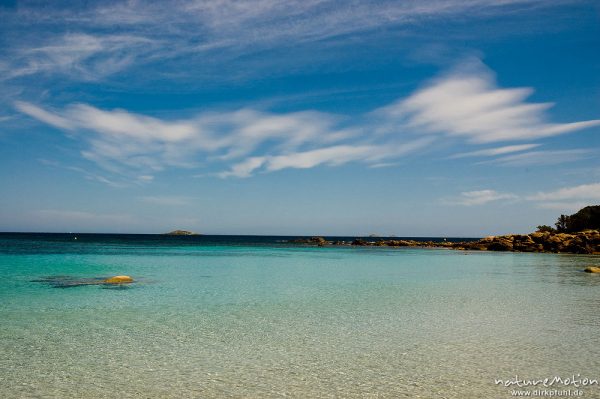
<point x="181" y="233"/>
<point x="320" y="241"/>
<point x="77" y="281"/>
<point x="564" y="239"/>
<point x="119" y="280"/>
<point x="583" y="242"/>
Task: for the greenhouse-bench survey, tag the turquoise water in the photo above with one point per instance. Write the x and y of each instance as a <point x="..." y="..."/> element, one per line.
<point x="208" y="319"/>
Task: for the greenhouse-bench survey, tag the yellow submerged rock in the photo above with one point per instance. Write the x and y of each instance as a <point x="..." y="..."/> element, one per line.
<point x="119" y="280"/>
<point x="592" y="269"/>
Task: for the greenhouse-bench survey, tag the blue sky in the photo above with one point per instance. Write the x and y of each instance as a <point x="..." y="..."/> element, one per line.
<point x="409" y="118"/>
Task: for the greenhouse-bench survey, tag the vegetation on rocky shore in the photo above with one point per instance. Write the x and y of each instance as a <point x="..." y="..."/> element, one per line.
<point x="587" y="218"/>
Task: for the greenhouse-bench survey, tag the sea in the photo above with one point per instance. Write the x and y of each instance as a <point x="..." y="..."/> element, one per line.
<point x="259" y="317"/>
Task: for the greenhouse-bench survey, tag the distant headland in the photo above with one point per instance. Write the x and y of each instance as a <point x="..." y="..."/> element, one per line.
<point x="181" y="233"/>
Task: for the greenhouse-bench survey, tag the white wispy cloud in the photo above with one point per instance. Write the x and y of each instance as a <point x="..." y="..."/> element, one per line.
<point x="457" y="109"/>
<point x="568" y="199"/>
<point x="88" y="175"/>
<point x="383" y="165"/>
<point x="244" y="168"/>
<point x="538" y="158"/>
<point x="496" y="151"/>
<point x="142" y="32"/>
<point x="45" y="116"/>
<point x="79" y="55"/>
<point x="124" y="140"/>
<point x="468" y="104"/>
<point x="563" y="199"/>
<point x="332" y="156"/>
<point x="581" y="192"/>
<point x="271" y="22"/>
<point x="479" y="197"/>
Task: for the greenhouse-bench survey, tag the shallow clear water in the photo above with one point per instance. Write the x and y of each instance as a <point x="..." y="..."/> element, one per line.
<point x="270" y="320"/>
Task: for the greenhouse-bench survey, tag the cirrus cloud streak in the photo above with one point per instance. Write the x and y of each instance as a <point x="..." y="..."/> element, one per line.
<point x="465" y="108"/>
<point x="467" y="103"/>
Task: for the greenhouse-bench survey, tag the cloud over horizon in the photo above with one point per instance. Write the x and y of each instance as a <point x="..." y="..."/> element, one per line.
<point x="464" y="107"/>
<point x="478" y="197"/>
<point x="468" y="107"/>
<point x="584" y="191"/>
<point x="299" y="140"/>
<point x="566" y="199"/>
<point x="467" y="103"/>
<point x="123" y="139"/>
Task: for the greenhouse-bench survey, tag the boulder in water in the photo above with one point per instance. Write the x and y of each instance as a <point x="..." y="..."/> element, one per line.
<point x="119" y="280"/>
<point x="592" y="269"/>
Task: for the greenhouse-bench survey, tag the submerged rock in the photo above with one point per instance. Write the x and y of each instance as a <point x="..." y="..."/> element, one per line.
<point x="69" y="281"/>
<point x="119" y="280"/>
<point x="74" y="281"/>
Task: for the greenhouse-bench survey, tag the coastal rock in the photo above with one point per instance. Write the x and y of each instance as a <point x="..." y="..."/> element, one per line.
<point x="119" y="280"/>
<point x="539" y="236"/>
<point x="503" y="243"/>
<point x="592" y="269"/>
<point x="578" y="245"/>
<point x="478" y="247"/>
<point x="525" y="243"/>
<point x="584" y="242"/>
<point x="318" y="240"/>
<point x="181" y="233"/>
<point x="400" y="243"/>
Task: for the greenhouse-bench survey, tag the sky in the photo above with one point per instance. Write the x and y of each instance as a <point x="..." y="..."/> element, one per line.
<point x="411" y="118"/>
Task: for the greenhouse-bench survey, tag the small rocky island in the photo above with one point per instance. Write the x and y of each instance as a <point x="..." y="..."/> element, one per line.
<point x="577" y="234"/>
<point x="181" y="233"/>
